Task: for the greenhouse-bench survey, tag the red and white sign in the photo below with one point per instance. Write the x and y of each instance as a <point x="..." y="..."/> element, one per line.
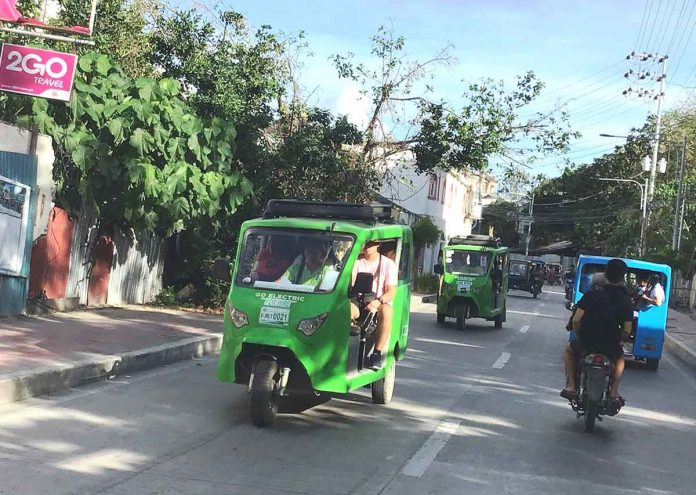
<point x="36" y="72"/>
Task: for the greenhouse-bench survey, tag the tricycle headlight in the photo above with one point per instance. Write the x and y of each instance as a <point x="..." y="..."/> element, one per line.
<point x="311" y="325"/>
<point x="239" y="318"/>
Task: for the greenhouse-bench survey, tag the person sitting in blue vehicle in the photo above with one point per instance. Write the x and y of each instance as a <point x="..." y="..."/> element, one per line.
<point x="601" y="319"/>
<point x="655" y="293"/>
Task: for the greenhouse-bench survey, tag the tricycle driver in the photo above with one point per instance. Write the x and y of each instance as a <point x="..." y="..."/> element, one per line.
<point x="385" y="279"/>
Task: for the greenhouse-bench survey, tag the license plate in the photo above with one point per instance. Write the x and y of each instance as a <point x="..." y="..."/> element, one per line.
<point x="274" y="316"/>
<point x="463" y="285"/>
<point x="628" y="348"/>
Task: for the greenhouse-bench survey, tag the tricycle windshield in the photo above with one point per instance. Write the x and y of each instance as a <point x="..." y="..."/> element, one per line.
<point x="467" y="262"/>
<point x="293" y="260"/>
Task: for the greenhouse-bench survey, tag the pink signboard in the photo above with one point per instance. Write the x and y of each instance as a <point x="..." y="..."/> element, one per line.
<point x="36" y="72"/>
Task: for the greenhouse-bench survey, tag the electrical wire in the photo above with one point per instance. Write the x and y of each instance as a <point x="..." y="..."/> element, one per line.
<point x="652" y="29"/>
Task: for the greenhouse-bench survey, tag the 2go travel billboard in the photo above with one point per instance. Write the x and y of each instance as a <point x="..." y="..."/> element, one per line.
<point x="37" y="72"/>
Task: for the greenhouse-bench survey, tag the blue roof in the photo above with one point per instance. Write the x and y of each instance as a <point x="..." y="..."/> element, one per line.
<point x="630" y="263"/>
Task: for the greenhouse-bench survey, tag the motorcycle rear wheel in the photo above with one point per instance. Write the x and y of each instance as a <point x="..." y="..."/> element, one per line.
<point x="590" y="415"/>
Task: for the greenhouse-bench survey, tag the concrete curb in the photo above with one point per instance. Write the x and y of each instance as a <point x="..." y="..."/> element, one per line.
<point x="680" y="350"/>
<point x="41" y="381"/>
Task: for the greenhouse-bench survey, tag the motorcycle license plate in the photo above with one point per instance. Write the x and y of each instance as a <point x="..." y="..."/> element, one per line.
<point x="628" y="348"/>
<point x="274" y="316"/>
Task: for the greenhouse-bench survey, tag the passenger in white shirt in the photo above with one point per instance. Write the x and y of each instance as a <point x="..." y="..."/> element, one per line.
<point x="656" y="295"/>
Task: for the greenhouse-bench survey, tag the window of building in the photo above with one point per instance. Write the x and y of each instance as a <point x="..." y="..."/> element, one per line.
<point x="433" y="187"/>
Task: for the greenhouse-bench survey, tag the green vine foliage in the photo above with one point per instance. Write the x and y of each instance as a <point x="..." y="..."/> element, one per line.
<point x="134" y="152"/>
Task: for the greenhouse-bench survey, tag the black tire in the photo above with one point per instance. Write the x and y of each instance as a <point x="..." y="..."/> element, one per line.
<point x="652" y="364"/>
<point x="264" y="403"/>
<point x="383" y="390"/>
<point x="535" y="294"/>
<point x="440" y="319"/>
<point x="590" y="415"/>
<point x="498" y="321"/>
<point x="461" y="317"/>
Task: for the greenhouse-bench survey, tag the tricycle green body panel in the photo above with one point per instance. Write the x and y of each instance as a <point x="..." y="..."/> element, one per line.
<point x="475" y="290"/>
<point x="324" y="354"/>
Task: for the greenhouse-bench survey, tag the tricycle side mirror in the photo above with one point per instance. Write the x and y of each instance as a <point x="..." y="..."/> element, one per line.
<point x="439" y="269"/>
<point x="363" y="283"/>
<point x="221" y="269"/>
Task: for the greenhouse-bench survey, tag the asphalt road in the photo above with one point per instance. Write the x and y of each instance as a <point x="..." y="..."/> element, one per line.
<point x="475" y="412"/>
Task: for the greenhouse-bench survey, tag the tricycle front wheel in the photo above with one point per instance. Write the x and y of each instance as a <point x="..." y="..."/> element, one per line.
<point x="264" y="403"/>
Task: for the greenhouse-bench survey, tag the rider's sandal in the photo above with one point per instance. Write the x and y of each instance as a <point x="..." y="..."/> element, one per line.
<point x="569" y="394"/>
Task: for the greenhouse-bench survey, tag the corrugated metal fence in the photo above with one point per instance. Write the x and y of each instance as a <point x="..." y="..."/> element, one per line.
<point x="136" y="273"/>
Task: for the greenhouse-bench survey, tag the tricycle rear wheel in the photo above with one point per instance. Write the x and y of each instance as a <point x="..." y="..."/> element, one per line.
<point x="383" y="389"/>
<point x="652" y="364"/>
<point x="264" y="403"/>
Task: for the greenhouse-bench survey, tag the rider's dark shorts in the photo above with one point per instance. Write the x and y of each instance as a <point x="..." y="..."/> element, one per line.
<point x="580" y="351"/>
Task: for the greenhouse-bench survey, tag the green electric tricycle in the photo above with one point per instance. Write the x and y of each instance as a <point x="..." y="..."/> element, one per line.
<point x="288" y="334"/>
<point x="473" y="282"/>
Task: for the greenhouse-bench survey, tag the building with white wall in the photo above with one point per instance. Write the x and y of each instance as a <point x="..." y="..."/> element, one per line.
<point x="454" y="200"/>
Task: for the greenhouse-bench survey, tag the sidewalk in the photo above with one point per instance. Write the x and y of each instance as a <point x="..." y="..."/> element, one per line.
<point x="681" y="336"/>
<point x="40" y="355"/>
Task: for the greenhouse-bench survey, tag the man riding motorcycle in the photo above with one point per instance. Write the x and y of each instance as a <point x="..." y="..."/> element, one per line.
<point x="601" y="318"/>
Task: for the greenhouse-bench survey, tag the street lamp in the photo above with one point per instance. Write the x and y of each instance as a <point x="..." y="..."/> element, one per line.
<point x="531" y="212"/>
<point x="643" y="205"/>
<point x="613" y="136"/>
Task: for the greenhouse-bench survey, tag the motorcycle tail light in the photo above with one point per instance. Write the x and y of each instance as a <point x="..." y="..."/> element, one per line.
<point x="598" y="360"/>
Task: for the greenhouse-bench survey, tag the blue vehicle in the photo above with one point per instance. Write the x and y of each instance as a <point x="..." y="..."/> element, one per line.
<point x="649" y="321"/>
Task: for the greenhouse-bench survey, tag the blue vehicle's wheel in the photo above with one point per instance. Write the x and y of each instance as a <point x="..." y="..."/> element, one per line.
<point x="652" y="364"/>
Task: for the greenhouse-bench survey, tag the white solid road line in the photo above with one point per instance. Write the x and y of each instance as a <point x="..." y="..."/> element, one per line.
<point x="524" y="329"/>
<point x="421" y="460"/>
<point x="502" y="360"/>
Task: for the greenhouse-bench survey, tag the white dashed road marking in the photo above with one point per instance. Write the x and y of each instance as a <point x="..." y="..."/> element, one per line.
<point x="524" y="329"/>
<point x="502" y="360"/>
<point x="421" y="460"/>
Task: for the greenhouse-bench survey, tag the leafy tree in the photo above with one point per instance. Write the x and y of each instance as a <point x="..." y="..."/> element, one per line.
<point x="503" y="216"/>
<point x="135" y="153"/>
<point x="425" y="233"/>
<point x="443" y="138"/>
<point x="120" y="30"/>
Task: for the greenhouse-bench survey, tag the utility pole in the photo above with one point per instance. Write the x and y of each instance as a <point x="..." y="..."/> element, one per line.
<point x="641" y="92"/>
<point x="678" y="207"/>
<point x="529" y="228"/>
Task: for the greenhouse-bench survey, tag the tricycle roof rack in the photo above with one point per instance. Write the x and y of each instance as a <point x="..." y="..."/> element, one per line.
<point x="371" y="214"/>
<point x="475" y="240"/>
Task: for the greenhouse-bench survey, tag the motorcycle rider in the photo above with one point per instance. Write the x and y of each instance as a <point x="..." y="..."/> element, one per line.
<point x="601" y="319"/>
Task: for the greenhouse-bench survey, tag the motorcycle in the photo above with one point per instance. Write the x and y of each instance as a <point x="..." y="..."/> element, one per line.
<point x="594" y="376"/>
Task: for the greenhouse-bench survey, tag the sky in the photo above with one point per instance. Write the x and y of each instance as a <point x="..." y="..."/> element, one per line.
<point x="577" y="48"/>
